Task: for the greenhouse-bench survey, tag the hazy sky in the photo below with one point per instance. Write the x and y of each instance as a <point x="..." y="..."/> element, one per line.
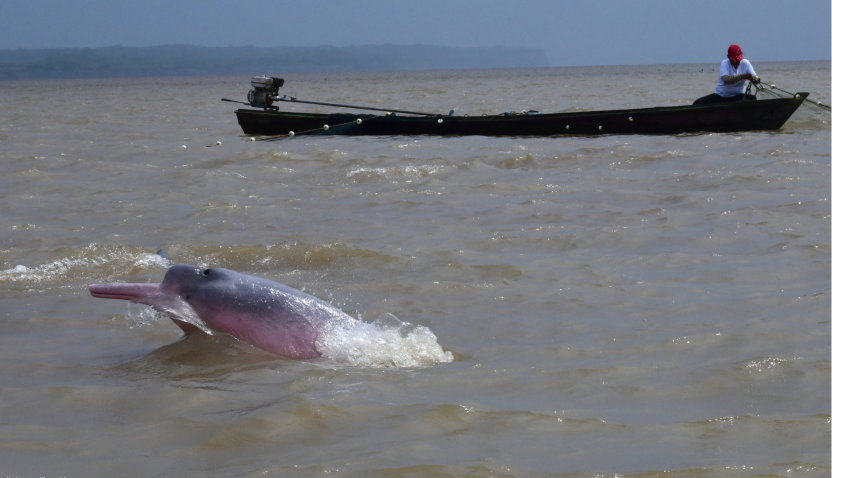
<point x="572" y="32"/>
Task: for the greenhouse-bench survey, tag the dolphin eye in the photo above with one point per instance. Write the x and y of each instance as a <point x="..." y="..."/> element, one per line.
<point x="187" y="297"/>
<point x="206" y="272"/>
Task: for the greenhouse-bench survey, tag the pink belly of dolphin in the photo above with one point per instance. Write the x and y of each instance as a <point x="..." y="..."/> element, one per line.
<point x="289" y="339"/>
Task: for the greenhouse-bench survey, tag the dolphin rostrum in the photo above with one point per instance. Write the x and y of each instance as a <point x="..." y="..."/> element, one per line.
<point x="263" y="313"/>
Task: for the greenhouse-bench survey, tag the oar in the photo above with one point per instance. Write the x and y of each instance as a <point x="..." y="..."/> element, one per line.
<point x="293" y="100"/>
<point x="816" y="103"/>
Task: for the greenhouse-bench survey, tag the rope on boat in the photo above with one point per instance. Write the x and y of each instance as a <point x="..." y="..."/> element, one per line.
<point x="759" y="87"/>
<point x="324" y="128"/>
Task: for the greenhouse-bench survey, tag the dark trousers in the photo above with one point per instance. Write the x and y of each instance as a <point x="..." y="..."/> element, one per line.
<point x="715" y="98"/>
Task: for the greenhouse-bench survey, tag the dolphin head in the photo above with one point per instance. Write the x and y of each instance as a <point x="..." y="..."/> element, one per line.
<point x="219" y="293"/>
<point x="189" y="283"/>
<point x="170" y="296"/>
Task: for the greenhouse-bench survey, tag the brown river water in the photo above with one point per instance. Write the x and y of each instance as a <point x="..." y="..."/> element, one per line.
<point x="617" y="306"/>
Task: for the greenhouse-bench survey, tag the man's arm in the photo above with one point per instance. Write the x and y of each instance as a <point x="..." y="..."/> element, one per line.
<point x="729" y="79"/>
<point x="749" y="74"/>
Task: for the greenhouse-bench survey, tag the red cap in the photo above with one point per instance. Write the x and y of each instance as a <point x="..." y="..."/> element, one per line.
<point x="735" y="53"/>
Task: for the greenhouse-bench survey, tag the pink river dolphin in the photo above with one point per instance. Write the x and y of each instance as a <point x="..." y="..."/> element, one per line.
<point x="263" y="313"/>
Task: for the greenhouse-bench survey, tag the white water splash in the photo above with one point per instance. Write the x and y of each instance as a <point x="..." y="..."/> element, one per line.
<point x="139" y="315"/>
<point x="150" y="261"/>
<point x="46" y="272"/>
<point x="406" y="171"/>
<point x="368" y="172"/>
<point x="388" y="342"/>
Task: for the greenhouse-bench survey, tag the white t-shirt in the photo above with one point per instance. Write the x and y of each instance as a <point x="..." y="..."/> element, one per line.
<point x="738" y="87"/>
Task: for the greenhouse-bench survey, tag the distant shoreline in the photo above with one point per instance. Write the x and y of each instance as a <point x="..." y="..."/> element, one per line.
<point x="189" y="60"/>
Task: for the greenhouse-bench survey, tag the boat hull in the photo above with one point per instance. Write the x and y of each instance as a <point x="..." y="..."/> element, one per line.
<point x="725" y="117"/>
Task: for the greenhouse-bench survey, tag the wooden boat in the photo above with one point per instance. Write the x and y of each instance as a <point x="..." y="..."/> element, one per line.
<point x="769" y="114"/>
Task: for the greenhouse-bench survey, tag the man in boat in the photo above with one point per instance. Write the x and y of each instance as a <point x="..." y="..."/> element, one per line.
<point x="734" y="73"/>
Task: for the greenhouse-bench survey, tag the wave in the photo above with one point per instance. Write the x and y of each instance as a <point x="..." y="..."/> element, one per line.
<point x="98" y="262"/>
<point x="400" y="171"/>
<point x="91" y="260"/>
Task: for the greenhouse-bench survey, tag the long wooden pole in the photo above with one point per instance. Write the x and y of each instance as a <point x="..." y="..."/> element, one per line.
<point x="293" y="100"/>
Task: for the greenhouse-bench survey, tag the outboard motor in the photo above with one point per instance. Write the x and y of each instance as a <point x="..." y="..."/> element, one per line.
<point x="264" y="92"/>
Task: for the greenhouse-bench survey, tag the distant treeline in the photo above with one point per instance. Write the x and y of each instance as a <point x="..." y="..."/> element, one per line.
<point x="188" y="60"/>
